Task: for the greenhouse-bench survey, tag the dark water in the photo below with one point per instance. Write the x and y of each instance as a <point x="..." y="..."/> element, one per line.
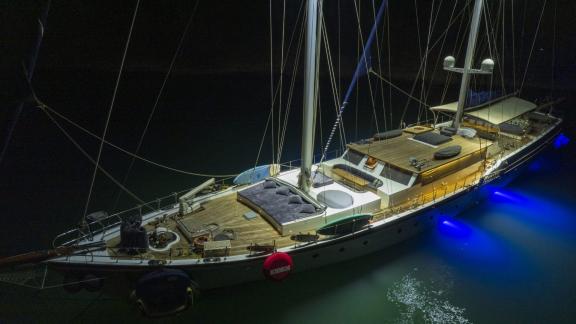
<point x="510" y="259"/>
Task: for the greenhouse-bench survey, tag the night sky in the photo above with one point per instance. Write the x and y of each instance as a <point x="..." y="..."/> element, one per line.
<point x="85" y="39"/>
<point x="230" y="36"/>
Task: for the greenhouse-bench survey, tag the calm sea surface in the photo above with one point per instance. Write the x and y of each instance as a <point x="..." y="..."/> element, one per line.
<point x="511" y="259"/>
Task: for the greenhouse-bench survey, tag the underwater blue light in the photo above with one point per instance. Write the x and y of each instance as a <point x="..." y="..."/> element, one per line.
<point x="453" y="228"/>
<point x="561" y="141"/>
<point x="507" y="196"/>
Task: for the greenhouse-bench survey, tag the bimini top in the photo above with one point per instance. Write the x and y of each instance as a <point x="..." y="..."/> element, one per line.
<point x="496" y="112"/>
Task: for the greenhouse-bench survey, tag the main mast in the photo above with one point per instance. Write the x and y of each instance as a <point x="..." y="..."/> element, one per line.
<point x="310" y="93"/>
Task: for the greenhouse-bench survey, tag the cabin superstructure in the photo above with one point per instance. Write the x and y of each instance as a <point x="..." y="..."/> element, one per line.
<point x="503" y="116"/>
<point x="391" y="167"/>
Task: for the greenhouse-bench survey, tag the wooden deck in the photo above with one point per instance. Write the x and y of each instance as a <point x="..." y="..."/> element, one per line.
<point x="228" y="214"/>
<point x="398" y="151"/>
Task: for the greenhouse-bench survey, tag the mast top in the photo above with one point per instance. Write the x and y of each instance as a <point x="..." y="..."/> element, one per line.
<point x="487" y="64"/>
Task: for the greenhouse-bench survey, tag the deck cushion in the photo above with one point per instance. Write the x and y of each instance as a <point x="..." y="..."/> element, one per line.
<point x="511" y="129"/>
<point x="387" y="135"/>
<point x="335" y="199"/>
<point x="269" y="184"/>
<point x="447" y="152"/>
<point x="432" y="138"/>
<point x="282" y="204"/>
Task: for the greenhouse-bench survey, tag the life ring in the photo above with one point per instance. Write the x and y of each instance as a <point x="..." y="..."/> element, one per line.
<point x="278" y="266"/>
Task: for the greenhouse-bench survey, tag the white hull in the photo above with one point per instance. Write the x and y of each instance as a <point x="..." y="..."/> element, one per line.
<point x="217" y="272"/>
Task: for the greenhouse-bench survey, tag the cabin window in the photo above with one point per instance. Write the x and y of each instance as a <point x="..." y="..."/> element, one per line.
<point x="396" y="174"/>
<point x="353" y="157"/>
<point x="373" y="182"/>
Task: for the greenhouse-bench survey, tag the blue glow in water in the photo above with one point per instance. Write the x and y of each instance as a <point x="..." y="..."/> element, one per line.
<point x="535" y="166"/>
<point x="469" y="246"/>
<point x="561" y="141"/>
<point x="538" y="211"/>
<point x="503" y="195"/>
<point x="453" y="228"/>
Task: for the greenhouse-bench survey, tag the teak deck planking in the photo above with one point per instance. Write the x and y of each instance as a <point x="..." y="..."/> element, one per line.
<point x="398" y="151"/>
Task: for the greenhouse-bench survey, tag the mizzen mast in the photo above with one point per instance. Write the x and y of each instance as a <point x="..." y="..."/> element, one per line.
<point x="487" y="65"/>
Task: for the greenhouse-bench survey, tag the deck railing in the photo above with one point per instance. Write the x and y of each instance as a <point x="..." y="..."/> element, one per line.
<point x="101" y="226"/>
<point x="445" y="190"/>
<point x="190" y="250"/>
<point x="294" y="164"/>
<point x="163" y="204"/>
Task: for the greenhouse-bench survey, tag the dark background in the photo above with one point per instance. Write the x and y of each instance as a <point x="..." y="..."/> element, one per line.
<point x="211" y="115"/>
<point x="233" y="36"/>
<point x="211" y="119"/>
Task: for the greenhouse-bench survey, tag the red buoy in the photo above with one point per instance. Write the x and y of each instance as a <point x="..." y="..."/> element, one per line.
<point x="277" y="266"/>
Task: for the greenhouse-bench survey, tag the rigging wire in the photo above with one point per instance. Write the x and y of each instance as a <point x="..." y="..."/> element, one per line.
<point x="361" y="68"/>
<point x="332" y="77"/>
<point x="160" y="93"/>
<point x="110" y="110"/>
<point x="458" y="45"/>
<point x="293" y="80"/>
<point x="513" y="46"/>
<point x="90" y="158"/>
<point x="414" y="84"/>
<point x="425" y="59"/>
<point x="291" y="90"/>
<point x="28" y="74"/>
<point x="492" y="48"/>
<point x="437" y="63"/>
<point x="503" y="64"/>
<point x="555" y="31"/>
<point x="389" y="56"/>
<point x="68" y="120"/>
<point x="492" y="43"/>
<point x="357" y="94"/>
<point x="379" y="56"/>
<point x="281" y="81"/>
<point x="392" y="85"/>
<point x="275" y="96"/>
<point x="272" y="96"/>
<point x="365" y="58"/>
<point x="533" y="43"/>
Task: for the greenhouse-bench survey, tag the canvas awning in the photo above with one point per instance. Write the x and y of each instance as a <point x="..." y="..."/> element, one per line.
<point x="496" y="113"/>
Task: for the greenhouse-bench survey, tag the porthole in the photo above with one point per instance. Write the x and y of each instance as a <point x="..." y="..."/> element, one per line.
<point x="315" y="255"/>
<point x="365" y="242"/>
<point x="399" y="230"/>
<point x="342" y="249"/>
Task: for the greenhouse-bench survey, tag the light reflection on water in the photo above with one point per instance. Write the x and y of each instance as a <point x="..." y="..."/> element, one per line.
<point x="418" y="301"/>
